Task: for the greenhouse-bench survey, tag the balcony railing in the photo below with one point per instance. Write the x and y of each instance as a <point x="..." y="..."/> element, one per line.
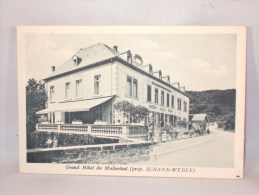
<point x="51" y="127"/>
<point x="135" y="130"/>
<point x="107" y="129"/>
<point x="74" y="128"/>
<point x="112" y="130"/>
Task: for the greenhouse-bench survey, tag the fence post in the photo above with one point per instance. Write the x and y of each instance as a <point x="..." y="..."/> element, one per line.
<point x="125" y="130"/>
<point x="89" y="129"/>
<point x="59" y="127"/>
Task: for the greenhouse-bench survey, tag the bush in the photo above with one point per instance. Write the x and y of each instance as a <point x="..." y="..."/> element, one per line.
<point x="168" y="128"/>
<point x="46" y="140"/>
<point x="227" y="122"/>
<point x="128" y="110"/>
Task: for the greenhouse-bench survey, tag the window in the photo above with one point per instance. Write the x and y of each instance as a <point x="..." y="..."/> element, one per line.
<point x="99" y="114"/>
<point x="172" y="101"/>
<point x="179" y="102"/>
<point x="132" y="87"/>
<point x="129" y="86"/>
<point x="149" y="93"/>
<point x="185" y="106"/>
<point x="135" y="88"/>
<point x="67" y="88"/>
<point x="167" y="99"/>
<point x="97" y="83"/>
<point x="51" y="94"/>
<point x="162" y="98"/>
<point x="162" y="121"/>
<point x="156" y="96"/>
<point x="155" y="119"/>
<point x="79" y="88"/>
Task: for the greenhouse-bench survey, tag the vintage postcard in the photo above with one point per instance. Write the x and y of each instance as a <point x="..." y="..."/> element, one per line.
<point x="153" y="101"/>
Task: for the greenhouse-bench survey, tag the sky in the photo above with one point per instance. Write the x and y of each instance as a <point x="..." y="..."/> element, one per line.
<point x="198" y="61"/>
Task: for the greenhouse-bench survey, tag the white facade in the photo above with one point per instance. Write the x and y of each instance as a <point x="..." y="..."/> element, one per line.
<point x="171" y="109"/>
<point x="72" y="90"/>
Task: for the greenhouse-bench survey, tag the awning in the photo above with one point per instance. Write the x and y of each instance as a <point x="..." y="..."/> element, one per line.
<point x="44" y="111"/>
<point x="76" y="106"/>
<point x="199" y="117"/>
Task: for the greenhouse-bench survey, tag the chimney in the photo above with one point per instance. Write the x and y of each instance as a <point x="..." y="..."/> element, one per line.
<point x="115" y="47"/>
<point x="53" y="68"/>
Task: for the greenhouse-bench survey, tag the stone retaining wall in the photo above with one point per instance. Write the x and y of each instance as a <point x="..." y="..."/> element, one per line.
<point x="108" y="154"/>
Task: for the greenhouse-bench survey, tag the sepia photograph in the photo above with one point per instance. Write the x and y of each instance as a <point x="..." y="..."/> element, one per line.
<point x="132" y="101"/>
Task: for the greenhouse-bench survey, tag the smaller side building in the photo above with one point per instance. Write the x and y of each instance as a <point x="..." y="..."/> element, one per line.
<point x="199" y="121"/>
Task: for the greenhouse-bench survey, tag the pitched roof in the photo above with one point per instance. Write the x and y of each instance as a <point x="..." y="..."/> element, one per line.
<point x="98" y="53"/>
<point x="199" y="117"/>
<point x="87" y="56"/>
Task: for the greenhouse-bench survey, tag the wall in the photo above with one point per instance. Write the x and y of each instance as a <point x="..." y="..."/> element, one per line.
<point x="87" y="86"/>
<point x="122" y="72"/>
<point x="87" y="77"/>
<point x="113" y="81"/>
<point x="110" y="154"/>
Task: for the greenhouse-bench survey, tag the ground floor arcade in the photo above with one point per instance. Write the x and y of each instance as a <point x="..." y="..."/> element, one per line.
<point x="101" y="112"/>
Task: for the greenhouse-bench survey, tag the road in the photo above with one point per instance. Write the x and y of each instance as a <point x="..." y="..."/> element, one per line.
<point x="214" y="150"/>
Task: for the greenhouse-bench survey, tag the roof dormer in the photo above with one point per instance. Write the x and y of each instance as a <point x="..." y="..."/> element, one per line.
<point x="159" y="73"/>
<point x="129" y="57"/>
<point x="182" y="89"/>
<point x="148" y="68"/>
<point x="76" y="60"/>
<point x="166" y="79"/>
<point x="115" y="47"/>
<point x="138" y="59"/>
<point x="177" y="84"/>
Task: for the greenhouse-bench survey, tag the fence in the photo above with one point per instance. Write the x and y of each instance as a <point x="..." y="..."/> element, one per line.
<point x="111" y="130"/>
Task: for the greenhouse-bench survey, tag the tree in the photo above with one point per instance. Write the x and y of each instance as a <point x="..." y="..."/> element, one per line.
<point x="182" y="124"/>
<point x="35" y="100"/>
<point x="227" y="122"/>
<point x="219" y="105"/>
<point x="140" y="113"/>
<point x="128" y="110"/>
<point x="124" y="107"/>
<point x="216" y="110"/>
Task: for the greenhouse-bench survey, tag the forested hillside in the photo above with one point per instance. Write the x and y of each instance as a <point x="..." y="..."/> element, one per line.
<point x="219" y="105"/>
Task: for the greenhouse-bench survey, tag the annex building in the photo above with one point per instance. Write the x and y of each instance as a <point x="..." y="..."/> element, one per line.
<point x="88" y="84"/>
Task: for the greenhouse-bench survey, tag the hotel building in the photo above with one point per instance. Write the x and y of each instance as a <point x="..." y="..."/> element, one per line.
<point x="87" y="86"/>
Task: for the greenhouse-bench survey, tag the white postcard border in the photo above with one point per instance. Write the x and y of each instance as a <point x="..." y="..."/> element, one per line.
<point x="200" y="172"/>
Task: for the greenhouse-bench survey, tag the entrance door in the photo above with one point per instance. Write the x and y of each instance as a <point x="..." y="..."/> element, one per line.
<point x="162" y="120"/>
<point x="67" y="117"/>
<point x="171" y="120"/>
